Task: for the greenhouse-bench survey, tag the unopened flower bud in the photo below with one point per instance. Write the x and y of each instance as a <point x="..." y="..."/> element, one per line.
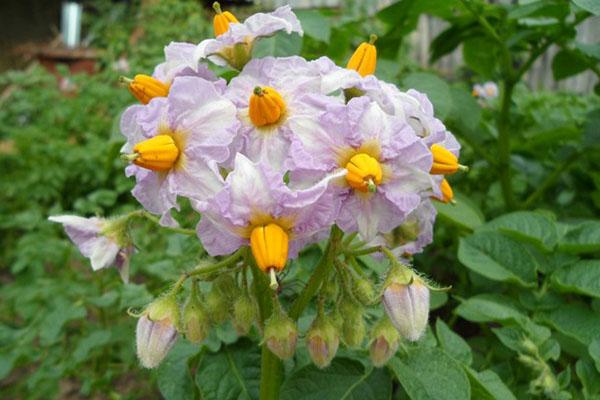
<point x="217" y="306"/>
<point x="281" y="334"/>
<point x="196" y="322"/>
<point x="384" y="342"/>
<point x="330" y="288"/>
<point x="353" y="325"/>
<point x="156" y="331"/>
<point x="322" y="341"/>
<point x="244" y="314"/>
<point x="364" y="291"/>
<point x="406" y="302"/>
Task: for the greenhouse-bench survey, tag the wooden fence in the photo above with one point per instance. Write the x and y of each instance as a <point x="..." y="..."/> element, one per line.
<point x="539" y="77"/>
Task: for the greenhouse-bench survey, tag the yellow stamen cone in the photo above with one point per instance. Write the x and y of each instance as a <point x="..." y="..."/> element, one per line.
<point x="266" y="106"/>
<point x="269" y="245"/>
<point x="364" y="59"/>
<point x="145" y="88"/>
<point x="157" y="154"/>
<point x="444" y="162"/>
<point x="222" y="20"/>
<point x="447" y="193"/>
<point x="364" y="173"/>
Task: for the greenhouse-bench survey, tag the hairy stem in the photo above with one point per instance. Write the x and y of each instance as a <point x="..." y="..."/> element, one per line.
<point x="504" y="146"/>
<point x="321" y="271"/>
<point x="271" y="368"/>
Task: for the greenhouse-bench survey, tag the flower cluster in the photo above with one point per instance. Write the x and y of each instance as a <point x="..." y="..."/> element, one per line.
<point x="284" y="153"/>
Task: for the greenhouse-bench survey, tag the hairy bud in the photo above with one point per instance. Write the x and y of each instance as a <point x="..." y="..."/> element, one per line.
<point x="281" y="334"/>
<point x="363" y="291"/>
<point x="244" y="314"/>
<point x="156" y="331"/>
<point x="384" y="342"/>
<point x="406" y="302"/>
<point x="196" y="322"/>
<point x="353" y="324"/>
<point x="217" y="306"/>
<point x="322" y="341"/>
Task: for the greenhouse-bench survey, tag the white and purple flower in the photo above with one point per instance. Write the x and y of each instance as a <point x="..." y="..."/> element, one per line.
<point x="234" y="47"/>
<point x="103" y="241"/>
<point x="176" y="144"/>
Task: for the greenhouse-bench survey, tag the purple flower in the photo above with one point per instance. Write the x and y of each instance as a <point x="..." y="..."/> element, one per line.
<point x="388" y="166"/>
<point x="179" y="61"/>
<point x="254" y="196"/>
<point x="103" y="241"/>
<point x="234" y="47"/>
<point x="298" y="108"/>
<point x="198" y="124"/>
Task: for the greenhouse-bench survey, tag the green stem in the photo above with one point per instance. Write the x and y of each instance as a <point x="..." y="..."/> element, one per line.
<point x="271" y="368"/>
<point x="504" y="166"/>
<point x="320" y="273"/>
<point x="365" y="251"/>
<point x="219" y="264"/>
<point x="155" y="220"/>
<point x="551" y="179"/>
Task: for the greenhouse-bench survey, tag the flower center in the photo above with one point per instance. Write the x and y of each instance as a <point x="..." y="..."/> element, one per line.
<point x="269" y="245"/>
<point x="364" y="173"/>
<point x="145" y="88"/>
<point x="364" y="59"/>
<point x="266" y="106"/>
<point x="444" y="162"/>
<point x="159" y="153"/>
<point x="222" y="20"/>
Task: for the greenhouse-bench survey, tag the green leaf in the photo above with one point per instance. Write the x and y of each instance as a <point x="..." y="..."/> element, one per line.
<point x="575" y="321"/>
<point x="495" y="308"/>
<point x="589" y="49"/>
<point x="464" y="213"/>
<point x="430" y="374"/>
<point x="174" y="378"/>
<point x="57" y="318"/>
<point x="231" y="374"/>
<point x="279" y="45"/>
<point x="567" y="63"/>
<point x="592" y="6"/>
<point x="582" y="277"/>
<point x="528" y="226"/>
<point x="487" y="385"/>
<point x="89" y="343"/>
<point x="589" y="377"/>
<point x="582" y="238"/>
<point x="594" y="350"/>
<point x="466" y="112"/>
<point x="454" y="345"/>
<point x="344" y="379"/>
<point x="434" y="87"/>
<point x="480" y="55"/>
<point x="315" y="24"/>
<point x="498" y="257"/>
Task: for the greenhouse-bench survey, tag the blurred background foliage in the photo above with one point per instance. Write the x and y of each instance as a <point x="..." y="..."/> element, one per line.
<point x="523" y="317"/>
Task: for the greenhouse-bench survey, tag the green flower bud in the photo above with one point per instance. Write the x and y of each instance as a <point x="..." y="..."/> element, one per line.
<point x="363" y="291"/>
<point x="330" y="288"/>
<point x="281" y="334"/>
<point x="156" y="331"/>
<point x="217" y="306"/>
<point x="384" y="342"/>
<point x="406" y="302"/>
<point x="244" y="314"/>
<point x="353" y="325"/>
<point x="322" y="341"/>
<point x="196" y="322"/>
